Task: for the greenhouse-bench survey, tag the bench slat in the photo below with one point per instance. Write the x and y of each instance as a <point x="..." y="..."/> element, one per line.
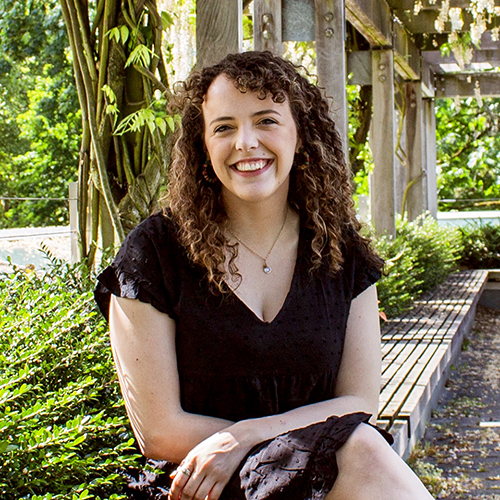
<point x="417" y="350"/>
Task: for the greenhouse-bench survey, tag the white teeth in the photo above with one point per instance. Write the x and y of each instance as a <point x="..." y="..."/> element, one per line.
<point x="248" y="166"/>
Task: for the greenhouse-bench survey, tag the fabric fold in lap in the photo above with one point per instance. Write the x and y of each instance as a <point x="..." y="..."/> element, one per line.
<point x="298" y="465"/>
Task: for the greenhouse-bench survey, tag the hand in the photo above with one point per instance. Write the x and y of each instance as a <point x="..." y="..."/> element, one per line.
<point x="207" y="468"/>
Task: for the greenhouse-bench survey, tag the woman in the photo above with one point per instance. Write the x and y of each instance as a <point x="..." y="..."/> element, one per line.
<point x="243" y="319"/>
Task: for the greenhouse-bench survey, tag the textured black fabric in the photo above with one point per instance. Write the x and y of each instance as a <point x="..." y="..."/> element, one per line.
<point x="231" y="364"/>
<point x="298" y="465"/>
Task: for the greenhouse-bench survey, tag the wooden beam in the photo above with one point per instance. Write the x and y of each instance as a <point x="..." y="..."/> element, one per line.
<point x="424" y="22"/>
<point x="427" y="80"/>
<point x="331" y="59"/>
<point x="298" y="20"/>
<point x="428" y="4"/>
<point x="359" y="66"/>
<point x="373" y="19"/>
<point x="382" y="142"/>
<point x="492" y="56"/>
<point x="406" y="55"/>
<point x="267" y="26"/>
<point x="219" y="30"/>
<point x="416" y="201"/>
<point x="466" y="85"/>
<point x="430" y="155"/>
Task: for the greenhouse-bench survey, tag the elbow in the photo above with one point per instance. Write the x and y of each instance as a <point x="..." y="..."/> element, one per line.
<point x="151" y="447"/>
<point x="156" y="447"/>
<point x="370" y="405"/>
<point x="153" y="443"/>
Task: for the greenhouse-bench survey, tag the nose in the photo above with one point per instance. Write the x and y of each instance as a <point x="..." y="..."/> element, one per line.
<point x="246" y="139"/>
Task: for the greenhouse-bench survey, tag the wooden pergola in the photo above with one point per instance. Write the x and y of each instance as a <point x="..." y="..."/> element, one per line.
<point x="381" y="43"/>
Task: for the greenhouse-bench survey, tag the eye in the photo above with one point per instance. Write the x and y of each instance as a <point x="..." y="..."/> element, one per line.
<point x="221" y="128"/>
<point x="268" y="121"/>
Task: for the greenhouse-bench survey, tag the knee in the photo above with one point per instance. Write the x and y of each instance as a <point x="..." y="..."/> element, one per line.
<point x="365" y="450"/>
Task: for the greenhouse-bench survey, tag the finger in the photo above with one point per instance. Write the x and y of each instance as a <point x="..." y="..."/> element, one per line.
<point x="216" y="491"/>
<point x="204" y="489"/>
<point x="181" y="477"/>
<point x="189" y="490"/>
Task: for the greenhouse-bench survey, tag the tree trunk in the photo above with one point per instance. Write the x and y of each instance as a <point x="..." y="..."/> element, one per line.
<point x="125" y="148"/>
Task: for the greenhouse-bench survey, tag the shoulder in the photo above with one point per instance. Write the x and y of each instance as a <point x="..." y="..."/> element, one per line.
<point x="160" y="224"/>
<point x="362" y="266"/>
<point x="146" y="267"/>
<point x="157" y="234"/>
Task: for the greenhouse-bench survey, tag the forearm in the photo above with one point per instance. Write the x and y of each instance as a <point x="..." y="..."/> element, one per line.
<point x="253" y="431"/>
<point x="175" y="438"/>
<point x="171" y="439"/>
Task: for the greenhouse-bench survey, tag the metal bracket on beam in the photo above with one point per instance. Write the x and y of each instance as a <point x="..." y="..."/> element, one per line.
<point x="267" y="26"/>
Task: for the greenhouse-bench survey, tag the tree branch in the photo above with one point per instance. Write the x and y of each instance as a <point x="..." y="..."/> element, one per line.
<point x="91" y="110"/>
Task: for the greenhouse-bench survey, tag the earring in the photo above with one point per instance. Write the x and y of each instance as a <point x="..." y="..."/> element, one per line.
<point x="306" y="158"/>
<point x="205" y="172"/>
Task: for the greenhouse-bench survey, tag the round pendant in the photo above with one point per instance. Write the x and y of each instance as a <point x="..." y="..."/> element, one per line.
<point x="266" y="269"/>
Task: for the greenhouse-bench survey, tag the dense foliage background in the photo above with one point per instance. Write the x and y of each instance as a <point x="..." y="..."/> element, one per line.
<point x="481" y="244"/>
<point x="421" y="256"/>
<point x="468" y="142"/>
<point x="40" y="121"/>
<point x="63" y="429"/>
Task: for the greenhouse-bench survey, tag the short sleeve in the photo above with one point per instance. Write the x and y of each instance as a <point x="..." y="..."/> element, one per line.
<point x="364" y="272"/>
<point x="143" y="269"/>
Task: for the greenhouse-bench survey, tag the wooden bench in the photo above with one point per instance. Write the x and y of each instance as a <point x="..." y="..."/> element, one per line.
<point x="418" y="349"/>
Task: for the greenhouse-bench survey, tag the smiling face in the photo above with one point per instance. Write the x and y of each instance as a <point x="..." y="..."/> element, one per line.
<point x="251" y="142"/>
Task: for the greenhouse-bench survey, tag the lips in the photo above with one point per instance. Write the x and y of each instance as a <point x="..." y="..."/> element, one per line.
<point x="250" y="165"/>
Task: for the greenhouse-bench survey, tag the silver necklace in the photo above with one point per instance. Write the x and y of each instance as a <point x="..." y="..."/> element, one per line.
<point x="265" y="267"/>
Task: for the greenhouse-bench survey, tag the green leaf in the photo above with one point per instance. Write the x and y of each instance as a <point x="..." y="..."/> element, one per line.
<point x="141" y="55"/>
<point x="170" y="122"/>
<point x="108" y="91"/>
<point x="162" y="125"/>
<point x="124" y="32"/>
<point x="166" y="19"/>
<point x="114" y="33"/>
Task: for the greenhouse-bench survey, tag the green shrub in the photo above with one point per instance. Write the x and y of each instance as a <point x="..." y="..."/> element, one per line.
<point x="63" y="429"/>
<point x="481" y="242"/>
<point x="420" y="257"/>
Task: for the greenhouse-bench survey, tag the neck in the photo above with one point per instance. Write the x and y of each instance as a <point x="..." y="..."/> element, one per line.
<point x="257" y="223"/>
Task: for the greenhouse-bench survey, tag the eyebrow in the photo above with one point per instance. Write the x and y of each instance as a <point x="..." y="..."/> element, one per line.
<point x="257" y="113"/>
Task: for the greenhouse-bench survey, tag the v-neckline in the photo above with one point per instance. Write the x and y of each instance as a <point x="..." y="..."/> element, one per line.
<point x="287" y="297"/>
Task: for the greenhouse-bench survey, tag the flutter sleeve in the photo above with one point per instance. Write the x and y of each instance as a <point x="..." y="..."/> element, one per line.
<point x="363" y="272"/>
<point x="143" y="269"/>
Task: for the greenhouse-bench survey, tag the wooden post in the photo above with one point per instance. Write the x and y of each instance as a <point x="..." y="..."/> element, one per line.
<point x="331" y="59"/>
<point x="382" y="141"/>
<point x="267" y="26"/>
<point x="73" y="221"/>
<point x="430" y="155"/>
<point x="219" y="30"/>
<point x="416" y="188"/>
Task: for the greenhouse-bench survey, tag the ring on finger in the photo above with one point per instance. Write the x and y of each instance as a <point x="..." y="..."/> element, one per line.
<point x="186" y="471"/>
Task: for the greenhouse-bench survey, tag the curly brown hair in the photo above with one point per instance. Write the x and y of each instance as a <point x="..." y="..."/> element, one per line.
<point x="320" y="193"/>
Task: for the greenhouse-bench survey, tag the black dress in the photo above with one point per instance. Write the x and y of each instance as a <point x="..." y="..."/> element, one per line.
<point x="233" y="365"/>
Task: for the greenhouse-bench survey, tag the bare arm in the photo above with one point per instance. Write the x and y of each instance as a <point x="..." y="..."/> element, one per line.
<point x="143" y="344"/>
